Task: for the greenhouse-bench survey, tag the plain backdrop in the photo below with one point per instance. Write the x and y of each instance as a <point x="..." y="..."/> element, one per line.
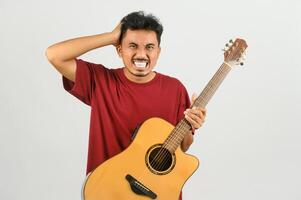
<point x="249" y="147"/>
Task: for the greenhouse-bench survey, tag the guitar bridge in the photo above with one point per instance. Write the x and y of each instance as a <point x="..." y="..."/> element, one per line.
<point x="139" y="188"/>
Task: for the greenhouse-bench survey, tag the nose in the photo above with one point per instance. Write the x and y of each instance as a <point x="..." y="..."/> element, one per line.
<point x="141" y="53"/>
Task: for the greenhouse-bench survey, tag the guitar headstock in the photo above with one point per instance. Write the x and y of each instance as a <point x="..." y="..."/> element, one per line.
<point x="234" y="52"/>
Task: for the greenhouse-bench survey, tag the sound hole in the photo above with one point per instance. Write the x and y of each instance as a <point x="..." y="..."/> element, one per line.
<point x="160" y="160"/>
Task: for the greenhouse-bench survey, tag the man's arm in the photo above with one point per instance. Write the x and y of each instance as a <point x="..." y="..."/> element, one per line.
<point x="196" y="117"/>
<point x="187" y="141"/>
<point x="62" y="55"/>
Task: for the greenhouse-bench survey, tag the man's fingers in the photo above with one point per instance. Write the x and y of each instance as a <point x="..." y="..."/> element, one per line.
<point x="200" y="112"/>
<point x="192" y="115"/>
<point x="193" y="123"/>
<point x="193" y="98"/>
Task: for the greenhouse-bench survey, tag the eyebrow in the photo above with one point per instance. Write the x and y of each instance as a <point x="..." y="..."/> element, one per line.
<point x="149" y="44"/>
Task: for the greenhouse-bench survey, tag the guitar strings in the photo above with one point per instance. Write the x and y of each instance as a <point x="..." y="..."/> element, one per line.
<point x="205" y="92"/>
<point x="163" y="153"/>
<point x="209" y="89"/>
<point x="161" y="159"/>
<point x="157" y="161"/>
<point x="183" y="130"/>
<point x="174" y="140"/>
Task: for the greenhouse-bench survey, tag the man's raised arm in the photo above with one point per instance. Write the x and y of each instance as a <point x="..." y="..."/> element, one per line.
<point x="62" y="55"/>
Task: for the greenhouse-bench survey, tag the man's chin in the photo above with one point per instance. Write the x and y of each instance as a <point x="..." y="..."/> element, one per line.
<point x="141" y="75"/>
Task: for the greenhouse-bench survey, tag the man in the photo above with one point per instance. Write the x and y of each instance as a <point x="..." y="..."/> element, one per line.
<point x="123" y="98"/>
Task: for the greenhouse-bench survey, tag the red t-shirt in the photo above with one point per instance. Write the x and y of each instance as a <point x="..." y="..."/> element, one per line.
<point x="119" y="105"/>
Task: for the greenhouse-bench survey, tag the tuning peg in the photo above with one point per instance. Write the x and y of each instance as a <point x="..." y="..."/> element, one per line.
<point x="227" y="45"/>
<point x="226" y="48"/>
<point x="242" y="56"/>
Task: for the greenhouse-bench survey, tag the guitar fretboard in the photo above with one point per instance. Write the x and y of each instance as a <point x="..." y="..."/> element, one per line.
<point x="177" y="135"/>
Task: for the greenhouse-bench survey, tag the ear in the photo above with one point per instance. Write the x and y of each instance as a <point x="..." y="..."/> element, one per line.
<point x="119" y="50"/>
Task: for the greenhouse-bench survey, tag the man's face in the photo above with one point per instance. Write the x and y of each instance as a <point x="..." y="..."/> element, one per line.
<point x="139" y="50"/>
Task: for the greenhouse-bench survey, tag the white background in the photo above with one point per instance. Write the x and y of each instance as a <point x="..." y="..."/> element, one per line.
<point x="249" y="146"/>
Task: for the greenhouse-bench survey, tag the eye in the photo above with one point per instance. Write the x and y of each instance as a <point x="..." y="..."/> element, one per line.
<point x="132" y="46"/>
<point x="150" y="47"/>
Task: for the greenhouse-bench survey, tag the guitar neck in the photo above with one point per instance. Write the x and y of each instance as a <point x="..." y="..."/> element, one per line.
<point x="205" y="96"/>
<point x="175" y="138"/>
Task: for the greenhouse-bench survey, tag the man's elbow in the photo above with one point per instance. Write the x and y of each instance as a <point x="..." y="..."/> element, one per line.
<point x="49" y="54"/>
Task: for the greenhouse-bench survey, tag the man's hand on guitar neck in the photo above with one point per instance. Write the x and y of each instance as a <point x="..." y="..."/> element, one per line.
<point x="196" y="117"/>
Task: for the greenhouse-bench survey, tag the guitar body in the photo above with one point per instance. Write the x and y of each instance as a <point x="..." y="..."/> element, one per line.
<point x="135" y="169"/>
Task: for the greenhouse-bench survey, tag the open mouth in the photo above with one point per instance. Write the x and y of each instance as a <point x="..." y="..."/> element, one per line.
<point x="140" y="64"/>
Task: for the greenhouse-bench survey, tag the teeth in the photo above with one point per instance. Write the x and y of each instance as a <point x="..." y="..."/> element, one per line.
<point x="140" y="64"/>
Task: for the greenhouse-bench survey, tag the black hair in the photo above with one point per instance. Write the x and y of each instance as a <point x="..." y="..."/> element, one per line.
<point x="140" y="21"/>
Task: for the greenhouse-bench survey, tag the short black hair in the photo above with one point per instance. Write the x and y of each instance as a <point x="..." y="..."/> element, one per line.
<point x="141" y="21"/>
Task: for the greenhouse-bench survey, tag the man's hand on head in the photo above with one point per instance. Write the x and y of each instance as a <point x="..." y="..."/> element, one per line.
<point x="116" y="34"/>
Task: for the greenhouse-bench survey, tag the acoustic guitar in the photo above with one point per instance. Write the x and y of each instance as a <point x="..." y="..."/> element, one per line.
<point x="153" y="166"/>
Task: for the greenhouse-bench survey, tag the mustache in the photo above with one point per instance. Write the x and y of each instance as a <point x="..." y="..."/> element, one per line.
<point x="141" y="59"/>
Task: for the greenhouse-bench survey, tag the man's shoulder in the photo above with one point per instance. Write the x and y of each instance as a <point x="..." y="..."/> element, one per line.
<point x="97" y="67"/>
<point x="89" y="63"/>
<point x="167" y="79"/>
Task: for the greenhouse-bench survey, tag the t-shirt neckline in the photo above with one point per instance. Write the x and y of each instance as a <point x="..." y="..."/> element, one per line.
<point x="124" y="78"/>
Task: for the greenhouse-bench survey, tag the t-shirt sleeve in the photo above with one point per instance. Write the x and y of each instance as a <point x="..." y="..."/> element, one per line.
<point x="83" y="86"/>
<point x="184" y="102"/>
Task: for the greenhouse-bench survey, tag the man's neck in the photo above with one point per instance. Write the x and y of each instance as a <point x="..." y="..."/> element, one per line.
<point x="139" y="79"/>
